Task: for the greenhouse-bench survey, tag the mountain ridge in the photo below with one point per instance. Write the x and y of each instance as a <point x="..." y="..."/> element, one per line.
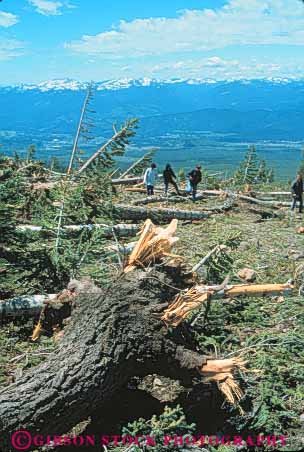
<point x="125" y="83"/>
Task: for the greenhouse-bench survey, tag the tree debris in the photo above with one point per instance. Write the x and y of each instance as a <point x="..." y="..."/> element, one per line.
<point x="186" y="302"/>
<point x="126" y="212"/>
<point x="154" y="244"/>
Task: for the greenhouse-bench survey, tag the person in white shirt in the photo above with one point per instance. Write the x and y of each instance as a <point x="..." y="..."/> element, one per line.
<point x="150" y="178"/>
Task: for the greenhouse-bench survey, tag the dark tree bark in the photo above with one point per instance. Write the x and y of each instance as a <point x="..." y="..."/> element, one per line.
<point x="157" y="214"/>
<point x="112" y="336"/>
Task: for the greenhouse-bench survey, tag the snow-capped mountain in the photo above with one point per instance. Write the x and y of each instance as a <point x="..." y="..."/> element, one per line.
<point x="268" y="109"/>
<point x="125" y="83"/>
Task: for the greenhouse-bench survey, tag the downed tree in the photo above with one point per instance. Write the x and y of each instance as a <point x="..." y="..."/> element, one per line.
<point x="242" y="197"/>
<point x="127" y="181"/>
<point x="274" y="204"/>
<point x="111" y="337"/>
<point x="163" y="214"/>
<point x="120" y="230"/>
<point x="23" y="306"/>
<point x="125" y="212"/>
<point x="273" y="193"/>
<point x="195" y="297"/>
<point x="157" y="199"/>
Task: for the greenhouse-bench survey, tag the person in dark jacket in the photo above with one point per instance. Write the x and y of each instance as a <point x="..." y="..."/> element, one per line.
<point x="297" y="193"/>
<point x="169" y="178"/>
<point x="195" y="177"/>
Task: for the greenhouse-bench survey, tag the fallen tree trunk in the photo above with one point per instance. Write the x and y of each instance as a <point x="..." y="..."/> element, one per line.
<point x="156" y="199"/>
<point x="274" y="204"/>
<point x="273" y="193"/>
<point x="227" y="205"/>
<point x="249" y="199"/>
<point x="111" y="337"/>
<point x="23" y="306"/>
<point x="120" y="230"/>
<point x="127" y="181"/>
<point x="157" y="215"/>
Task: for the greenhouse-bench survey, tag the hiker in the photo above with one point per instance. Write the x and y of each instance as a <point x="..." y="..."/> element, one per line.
<point x="150" y="179"/>
<point x="169" y="177"/>
<point x="195" y="177"/>
<point x="297" y="193"/>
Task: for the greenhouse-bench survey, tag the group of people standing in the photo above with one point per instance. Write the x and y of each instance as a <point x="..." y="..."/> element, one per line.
<point x="195" y="177"/>
<point x="169" y="177"/>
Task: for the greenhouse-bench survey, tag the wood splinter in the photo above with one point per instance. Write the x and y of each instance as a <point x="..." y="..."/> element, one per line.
<point x="185" y="303"/>
<point x="154" y="244"/>
<point x="222" y="371"/>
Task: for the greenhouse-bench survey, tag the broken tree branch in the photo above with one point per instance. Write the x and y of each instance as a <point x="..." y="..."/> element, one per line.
<point x="193" y="298"/>
<point x="135" y="164"/>
<point x="215" y="250"/>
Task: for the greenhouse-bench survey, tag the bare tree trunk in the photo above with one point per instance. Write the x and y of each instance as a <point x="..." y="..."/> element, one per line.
<point x="249" y="199"/>
<point x="22" y="306"/>
<point x="111" y="337"/>
<point x="156" y="215"/>
<point x="120" y="230"/>
<point x="128" y="181"/>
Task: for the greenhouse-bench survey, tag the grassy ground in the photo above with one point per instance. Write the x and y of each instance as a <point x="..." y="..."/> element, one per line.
<point x="267" y="332"/>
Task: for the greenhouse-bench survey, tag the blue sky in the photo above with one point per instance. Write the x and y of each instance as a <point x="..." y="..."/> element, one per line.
<point x="109" y="39"/>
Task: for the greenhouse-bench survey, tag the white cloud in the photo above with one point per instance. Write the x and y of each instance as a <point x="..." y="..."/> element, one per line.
<point x="47" y="7"/>
<point x="10" y="48"/>
<point x="240" y="22"/>
<point x="7" y="19"/>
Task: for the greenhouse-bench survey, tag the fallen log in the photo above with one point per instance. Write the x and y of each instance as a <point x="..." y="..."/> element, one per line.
<point x="127" y="181"/>
<point x="110" y="338"/>
<point x="193" y="298"/>
<point x="136" y="190"/>
<point x="156" y="199"/>
<point x="120" y="230"/>
<point x="227" y="205"/>
<point x="125" y="212"/>
<point x="249" y="199"/>
<point x="23" y="306"/>
<point x="273" y="193"/>
<point x="274" y="204"/>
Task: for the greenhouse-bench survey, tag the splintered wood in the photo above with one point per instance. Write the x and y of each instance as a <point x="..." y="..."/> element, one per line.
<point x="154" y="244"/>
<point x="221" y="371"/>
<point x="183" y="305"/>
<point x="187" y="302"/>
